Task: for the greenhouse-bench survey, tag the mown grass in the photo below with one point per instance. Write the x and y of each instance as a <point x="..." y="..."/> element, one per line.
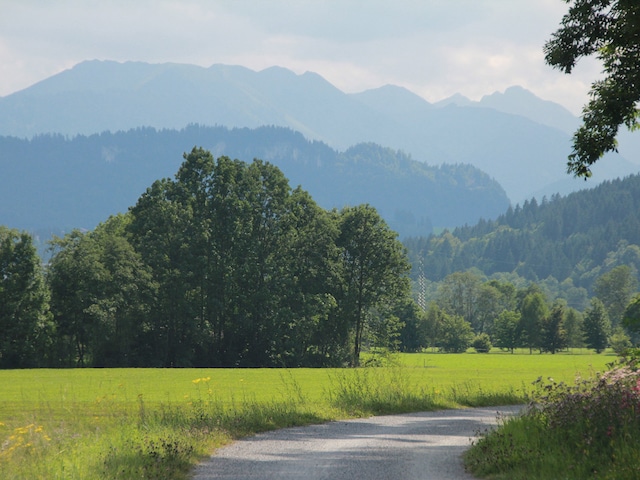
<point x="156" y="423"/>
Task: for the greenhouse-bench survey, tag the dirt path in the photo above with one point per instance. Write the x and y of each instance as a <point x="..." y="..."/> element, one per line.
<point x="412" y="446"/>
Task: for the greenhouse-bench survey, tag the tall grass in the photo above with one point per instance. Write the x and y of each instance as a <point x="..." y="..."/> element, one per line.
<point x="133" y="441"/>
<point x="145" y="423"/>
<point x="375" y="391"/>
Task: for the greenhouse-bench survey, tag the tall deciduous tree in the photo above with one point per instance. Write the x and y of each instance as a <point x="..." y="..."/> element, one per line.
<point x="72" y="277"/>
<point x="158" y="233"/>
<point x="25" y="321"/>
<point x="431" y="325"/>
<point x="309" y="330"/>
<point x="610" y="29"/>
<point x="615" y="288"/>
<point x="505" y="330"/>
<point x="374" y="268"/>
<point x="459" y="295"/>
<point x="247" y="268"/>
<point x="100" y="295"/>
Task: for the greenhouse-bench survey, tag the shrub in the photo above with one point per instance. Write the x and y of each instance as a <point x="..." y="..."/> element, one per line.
<point x="482" y="343"/>
<point x="619" y="341"/>
<point x="456" y="334"/>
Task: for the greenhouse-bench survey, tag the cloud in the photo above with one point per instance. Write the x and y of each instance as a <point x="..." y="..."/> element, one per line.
<point x="434" y="47"/>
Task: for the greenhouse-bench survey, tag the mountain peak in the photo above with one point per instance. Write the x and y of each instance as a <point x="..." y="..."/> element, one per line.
<point x="393" y="99"/>
<point x="456" y="99"/>
<point x="517" y="100"/>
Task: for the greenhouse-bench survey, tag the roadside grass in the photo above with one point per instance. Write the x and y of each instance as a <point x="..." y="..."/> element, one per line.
<point x="157" y="423"/>
<point x="589" y="428"/>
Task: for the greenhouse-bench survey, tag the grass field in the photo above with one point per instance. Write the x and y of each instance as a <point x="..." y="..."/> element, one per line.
<point x="154" y="423"/>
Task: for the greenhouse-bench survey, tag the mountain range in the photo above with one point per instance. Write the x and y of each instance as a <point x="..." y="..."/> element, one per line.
<point x="518" y="139"/>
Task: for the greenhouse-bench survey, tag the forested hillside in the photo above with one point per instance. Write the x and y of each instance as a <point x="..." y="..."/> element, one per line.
<point x="57" y="182"/>
<point x="574" y="238"/>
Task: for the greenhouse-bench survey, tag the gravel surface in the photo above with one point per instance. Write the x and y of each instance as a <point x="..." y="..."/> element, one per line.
<point x="411" y="446"/>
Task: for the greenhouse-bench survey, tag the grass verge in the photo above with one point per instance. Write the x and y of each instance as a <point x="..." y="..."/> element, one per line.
<point x="586" y="430"/>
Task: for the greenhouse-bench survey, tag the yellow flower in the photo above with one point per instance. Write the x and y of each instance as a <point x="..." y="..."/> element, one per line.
<point x="23" y="430"/>
<point x="196" y="381"/>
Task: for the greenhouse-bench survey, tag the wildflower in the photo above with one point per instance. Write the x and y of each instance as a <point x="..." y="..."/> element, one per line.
<point x="203" y="380"/>
<point x="23" y="430"/>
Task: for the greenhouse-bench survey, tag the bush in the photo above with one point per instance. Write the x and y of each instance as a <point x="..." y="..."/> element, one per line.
<point x="482" y="343"/>
<point x="456" y="334"/>
<point x="619" y="341"/>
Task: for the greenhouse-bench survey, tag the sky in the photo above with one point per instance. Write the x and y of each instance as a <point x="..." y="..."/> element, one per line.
<point x="435" y="48"/>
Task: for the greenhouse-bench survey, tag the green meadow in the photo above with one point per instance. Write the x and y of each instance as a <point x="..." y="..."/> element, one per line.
<point x="156" y="423"/>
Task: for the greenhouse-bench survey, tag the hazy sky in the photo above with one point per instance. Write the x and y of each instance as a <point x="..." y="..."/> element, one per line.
<point x="433" y="47"/>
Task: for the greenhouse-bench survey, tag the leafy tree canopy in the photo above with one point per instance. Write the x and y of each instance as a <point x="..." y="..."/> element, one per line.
<point x="610" y="29"/>
<point x="25" y="324"/>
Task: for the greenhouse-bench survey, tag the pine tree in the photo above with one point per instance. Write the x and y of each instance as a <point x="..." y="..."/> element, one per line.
<point x="597" y="326"/>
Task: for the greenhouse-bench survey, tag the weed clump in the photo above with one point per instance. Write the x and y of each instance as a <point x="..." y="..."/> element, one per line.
<point x="378" y="391"/>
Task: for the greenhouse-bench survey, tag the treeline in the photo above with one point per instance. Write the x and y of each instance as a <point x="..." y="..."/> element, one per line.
<point x="568" y="240"/>
<point x="468" y="310"/>
<point x="225" y="265"/>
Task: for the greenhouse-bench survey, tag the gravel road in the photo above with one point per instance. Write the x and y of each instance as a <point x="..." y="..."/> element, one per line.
<point x="411" y="446"/>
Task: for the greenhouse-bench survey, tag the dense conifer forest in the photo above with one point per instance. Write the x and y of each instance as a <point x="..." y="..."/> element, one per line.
<point x="573" y="239"/>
